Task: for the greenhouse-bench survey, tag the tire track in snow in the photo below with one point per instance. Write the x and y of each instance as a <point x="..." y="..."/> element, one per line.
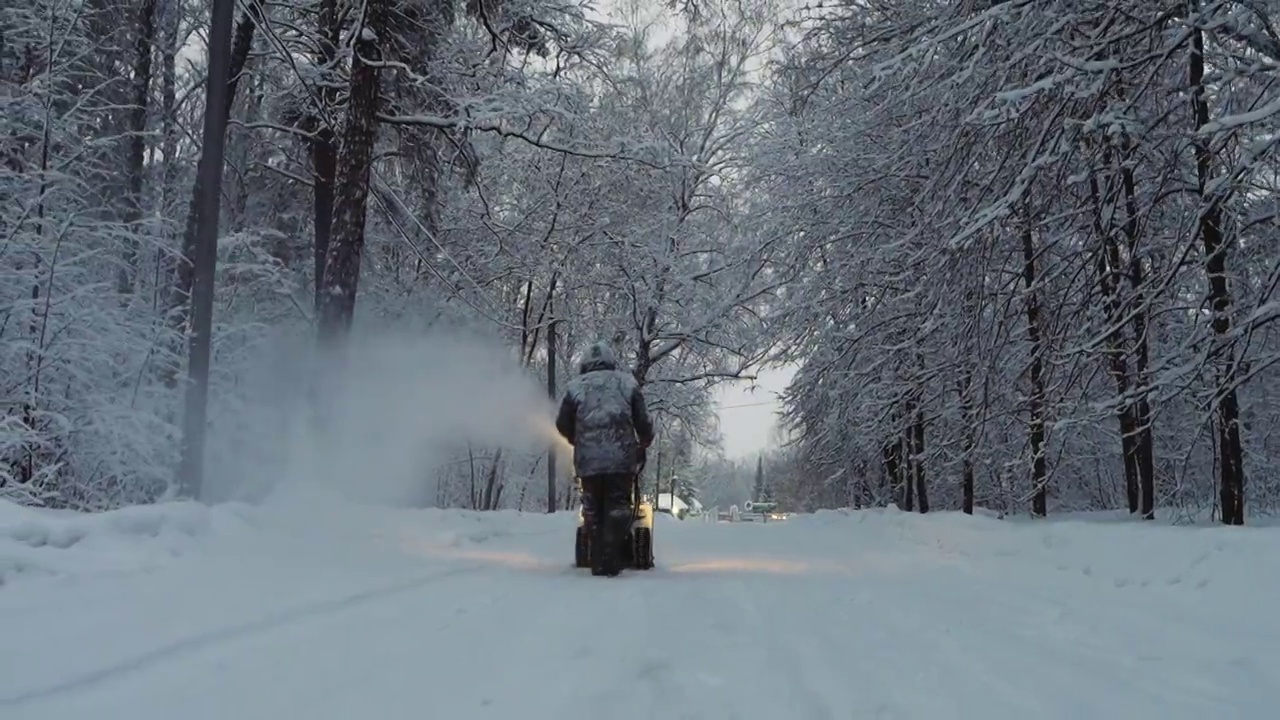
<point x="945" y="668"/>
<point x="849" y="649"/>
<point x="633" y="645"/>
<point x="679" y="652"/>
<point x="559" y="642"/>
<point x="786" y="655"/>
<point x="205" y="640"/>
<point x="590" y="647"/>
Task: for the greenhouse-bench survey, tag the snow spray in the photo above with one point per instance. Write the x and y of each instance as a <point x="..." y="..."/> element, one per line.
<point x="375" y="423"/>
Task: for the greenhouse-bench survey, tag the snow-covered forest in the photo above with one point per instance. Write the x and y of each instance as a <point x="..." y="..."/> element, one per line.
<point x="1024" y="254"/>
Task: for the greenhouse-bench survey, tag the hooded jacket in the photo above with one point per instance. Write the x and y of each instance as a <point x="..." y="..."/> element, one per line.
<point x="603" y="416"/>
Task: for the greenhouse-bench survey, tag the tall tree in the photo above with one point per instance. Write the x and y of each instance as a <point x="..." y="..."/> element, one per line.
<point x="354" y="166"/>
<point x="209" y="184"/>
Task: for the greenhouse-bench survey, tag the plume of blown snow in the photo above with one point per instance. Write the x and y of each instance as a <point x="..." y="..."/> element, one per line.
<point x="374" y="423"/>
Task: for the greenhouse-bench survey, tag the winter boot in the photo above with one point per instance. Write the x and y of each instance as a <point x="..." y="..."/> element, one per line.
<point x="608" y="555"/>
<point x="588" y="509"/>
<point x="602" y="558"/>
<point x="603" y="551"/>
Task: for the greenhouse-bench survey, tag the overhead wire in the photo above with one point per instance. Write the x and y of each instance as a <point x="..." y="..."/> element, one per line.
<point x="747" y="405"/>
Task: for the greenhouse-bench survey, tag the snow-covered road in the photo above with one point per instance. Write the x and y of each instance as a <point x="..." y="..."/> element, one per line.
<point x="325" y="611"/>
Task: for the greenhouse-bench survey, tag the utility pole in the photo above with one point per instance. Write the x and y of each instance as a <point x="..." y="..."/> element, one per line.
<point x="209" y="172"/>
<point x="551" y="389"/>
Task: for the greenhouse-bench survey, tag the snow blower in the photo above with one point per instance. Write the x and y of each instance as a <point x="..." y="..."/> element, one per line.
<point x="637" y="543"/>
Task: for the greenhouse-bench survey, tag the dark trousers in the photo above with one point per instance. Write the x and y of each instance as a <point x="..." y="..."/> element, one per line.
<point x="606" y="509"/>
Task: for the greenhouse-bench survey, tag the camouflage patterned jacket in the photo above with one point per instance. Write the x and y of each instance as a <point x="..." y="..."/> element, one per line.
<point x="603" y="415"/>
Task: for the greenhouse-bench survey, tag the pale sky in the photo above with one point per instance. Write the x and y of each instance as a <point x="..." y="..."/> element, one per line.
<point x="747" y="415"/>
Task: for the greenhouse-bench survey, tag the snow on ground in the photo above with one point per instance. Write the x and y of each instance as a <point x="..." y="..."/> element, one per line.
<point x="323" y="610"/>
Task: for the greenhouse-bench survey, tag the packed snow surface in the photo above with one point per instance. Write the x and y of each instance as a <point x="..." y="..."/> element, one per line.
<point x="322" y="610"/>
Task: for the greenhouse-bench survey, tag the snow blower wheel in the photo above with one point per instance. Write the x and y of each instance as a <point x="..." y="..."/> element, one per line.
<point x="642" y="549"/>
<point x="640" y="539"/>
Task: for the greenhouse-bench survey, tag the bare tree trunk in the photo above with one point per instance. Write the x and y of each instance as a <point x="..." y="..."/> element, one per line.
<point x="891" y="454"/>
<point x="30" y="466"/>
<point x="1226" y="402"/>
<point x="551" y="389"/>
<point x="966" y="419"/>
<point x="208" y="194"/>
<point x="492" y="489"/>
<point x="531" y="329"/>
<point x="179" y="308"/>
<point x="1035" y="376"/>
<point x="1144" y="441"/>
<point x="324" y="143"/>
<point x="917" y="458"/>
<point x="906" y="470"/>
<point x="135" y="162"/>
<point x="526" y="312"/>
<point x="172" y="22"/>
<point x="1108" y="261"/>
<point x="324" y="163"/>
<point x="1144" y="447"/>
<point x="355" y="160"/>
<point x="471" y="463"/>
<point x="657" y="479"/>
<point x="904" y="445"/>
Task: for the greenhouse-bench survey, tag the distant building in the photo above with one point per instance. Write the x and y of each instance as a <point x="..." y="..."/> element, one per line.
<point x="665" y="504"/>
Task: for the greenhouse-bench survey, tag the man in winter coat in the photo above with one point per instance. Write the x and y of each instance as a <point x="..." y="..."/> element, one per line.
<point x="604" y="418"/>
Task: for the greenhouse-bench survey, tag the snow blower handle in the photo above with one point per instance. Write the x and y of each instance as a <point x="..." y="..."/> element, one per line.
<point x="642" y="456"/>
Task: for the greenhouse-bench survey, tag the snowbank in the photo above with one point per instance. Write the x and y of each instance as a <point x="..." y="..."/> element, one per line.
<point x="37" y="542"/>
<point x="1096" y="546"/>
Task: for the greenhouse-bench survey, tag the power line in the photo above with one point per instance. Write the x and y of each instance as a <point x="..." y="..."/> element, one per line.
<point x="745" y="405"/>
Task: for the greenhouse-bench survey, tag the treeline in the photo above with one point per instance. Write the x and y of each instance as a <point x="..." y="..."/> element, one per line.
<point x="1041" y="253"/>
